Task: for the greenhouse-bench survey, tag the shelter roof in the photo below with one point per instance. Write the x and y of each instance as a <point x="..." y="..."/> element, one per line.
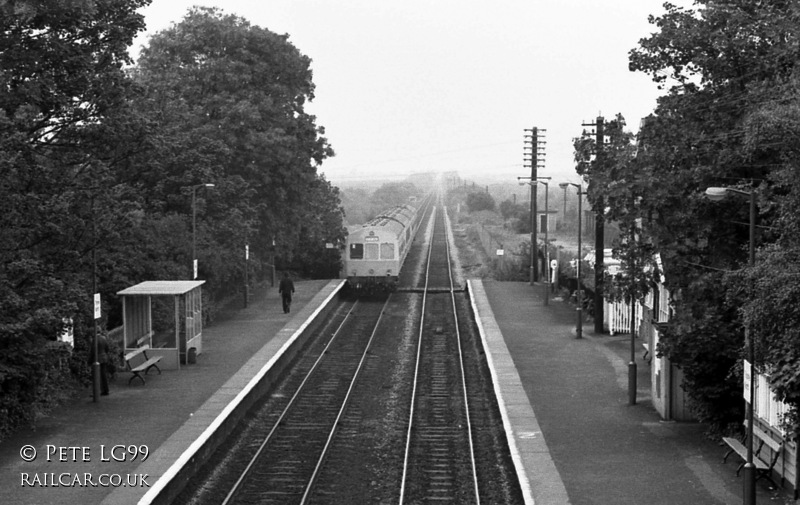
<point x="155" y="288"/>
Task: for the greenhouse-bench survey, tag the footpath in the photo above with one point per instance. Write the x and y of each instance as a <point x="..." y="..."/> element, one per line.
<point x="83" y="442"/>
<point x="606" y="451"/>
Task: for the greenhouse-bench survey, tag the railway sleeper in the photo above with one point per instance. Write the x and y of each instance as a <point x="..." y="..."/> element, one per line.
<point x="456" y="289"/>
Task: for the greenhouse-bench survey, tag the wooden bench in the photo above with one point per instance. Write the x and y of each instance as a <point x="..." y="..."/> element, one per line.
<point x="763" y="464"/>
<point x="138" y="362"/>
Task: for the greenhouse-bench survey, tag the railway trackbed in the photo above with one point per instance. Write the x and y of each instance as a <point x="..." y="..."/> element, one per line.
<point x="391" y="403"/>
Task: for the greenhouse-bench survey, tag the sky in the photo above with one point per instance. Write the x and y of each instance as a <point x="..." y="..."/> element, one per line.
<point x="451" y="85"/>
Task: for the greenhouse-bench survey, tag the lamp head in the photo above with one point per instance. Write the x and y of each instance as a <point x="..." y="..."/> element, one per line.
<point x="208" y="185"/>
<point x="716" y="194"/>
<point x="563" y="185"/>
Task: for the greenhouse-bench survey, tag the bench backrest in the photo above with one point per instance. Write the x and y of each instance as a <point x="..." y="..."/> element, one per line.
<point x="137" y="356"/>
<point x="761" y="434"/>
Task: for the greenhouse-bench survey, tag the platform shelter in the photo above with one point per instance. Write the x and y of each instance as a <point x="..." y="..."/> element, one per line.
<point x="165" y="315"/>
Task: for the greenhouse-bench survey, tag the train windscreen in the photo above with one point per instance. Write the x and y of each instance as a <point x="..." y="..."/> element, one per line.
<point x="371" y="251"/>
<point x="356" y="251"/>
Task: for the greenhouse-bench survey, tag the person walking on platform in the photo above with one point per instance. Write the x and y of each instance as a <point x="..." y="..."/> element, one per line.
<point x="286" y="288"/>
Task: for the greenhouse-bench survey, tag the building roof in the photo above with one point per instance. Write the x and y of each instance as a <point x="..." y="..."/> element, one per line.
<point x="155" y="288"/>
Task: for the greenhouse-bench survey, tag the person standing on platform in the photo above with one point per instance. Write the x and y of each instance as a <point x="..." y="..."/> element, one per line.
<point x="286" y="288"/>
<point x="102" y="358"/>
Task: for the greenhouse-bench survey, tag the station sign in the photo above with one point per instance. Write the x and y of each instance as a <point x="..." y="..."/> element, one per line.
<point x="746" y="382"/>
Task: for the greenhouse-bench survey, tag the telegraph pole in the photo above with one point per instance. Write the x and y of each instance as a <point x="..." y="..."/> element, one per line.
<point x="533" y="153"/>
<point x="599" y="231"/>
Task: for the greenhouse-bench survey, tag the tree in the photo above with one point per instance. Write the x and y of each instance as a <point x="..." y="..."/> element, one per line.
<point x="480" y="201"/>
<point x="769" y="291"/>
<point x="621" y="184"/>
<point x="61" y="103"/>
<point x="228" y="99"/>
<point x="727" y="63"/>
<point x="391" y="194"/>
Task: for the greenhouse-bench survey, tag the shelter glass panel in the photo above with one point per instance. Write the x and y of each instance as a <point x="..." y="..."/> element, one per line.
<point x="137" y="324"/>
<point x="164" y="334"/>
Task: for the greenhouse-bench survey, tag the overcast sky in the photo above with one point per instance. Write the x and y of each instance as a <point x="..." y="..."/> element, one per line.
<point x="442" y="85"/>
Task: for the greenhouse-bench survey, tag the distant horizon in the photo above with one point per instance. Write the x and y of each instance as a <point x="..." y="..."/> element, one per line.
<point x="452" y="85"/>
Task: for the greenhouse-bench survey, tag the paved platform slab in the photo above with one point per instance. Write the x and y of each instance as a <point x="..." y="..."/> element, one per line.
<point x="110" y="433"/>
<point x="604" y="450"/>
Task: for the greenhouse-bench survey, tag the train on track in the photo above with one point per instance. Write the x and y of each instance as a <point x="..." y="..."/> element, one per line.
<point x="375" y="251"/>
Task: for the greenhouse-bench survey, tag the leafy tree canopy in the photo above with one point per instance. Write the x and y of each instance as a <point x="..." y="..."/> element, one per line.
<point x="729" y="71"/>
<point x="229" y="98"/>
<point x="61" y="119"/>
<point x="99" y="165"/>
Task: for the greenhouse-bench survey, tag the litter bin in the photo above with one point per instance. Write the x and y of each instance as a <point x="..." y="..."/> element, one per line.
<point x="192" y="355"/>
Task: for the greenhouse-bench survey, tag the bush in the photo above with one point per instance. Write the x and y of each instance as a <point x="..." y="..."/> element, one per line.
<point x="480" y="201"/>
<point x="33" y="380"/>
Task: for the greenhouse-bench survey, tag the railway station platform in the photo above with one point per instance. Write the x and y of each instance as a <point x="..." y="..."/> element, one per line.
<point x="83" y="448"/>
<point x="567" y="404"/>
<point x="575" y="438"/>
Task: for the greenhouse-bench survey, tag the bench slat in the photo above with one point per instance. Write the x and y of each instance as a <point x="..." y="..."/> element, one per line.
<point x="133" y="354"/>
<point x="761" y="434"/>
<point x="147" y="364"/>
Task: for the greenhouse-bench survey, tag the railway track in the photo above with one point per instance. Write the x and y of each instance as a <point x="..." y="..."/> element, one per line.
<point x="275" y="473"/>
<point x="439" y="462"/>
<point x="394" y="406"/>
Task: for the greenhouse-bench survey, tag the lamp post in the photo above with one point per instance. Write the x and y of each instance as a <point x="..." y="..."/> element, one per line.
<point x="717" y="194"/>
<point x="632" y="363"/>
<point x="194" y="226"/>
<point x="532" y="225"/>
<point x="96" y="370"/>
<point x="540" y="180"/>
<point x="579" y="328"/>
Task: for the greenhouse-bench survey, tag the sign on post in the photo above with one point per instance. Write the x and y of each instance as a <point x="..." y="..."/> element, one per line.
<point x="194" y="269"/>
<point x="746" y="382"/>
<point x="98" y="310"/>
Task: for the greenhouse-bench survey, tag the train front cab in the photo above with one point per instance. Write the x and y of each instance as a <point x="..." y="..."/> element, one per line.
<point x="372" y="265"/>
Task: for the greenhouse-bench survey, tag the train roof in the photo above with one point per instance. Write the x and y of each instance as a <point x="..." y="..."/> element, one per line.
<point x="393" y="220"/>
<point x="402" y="214"/>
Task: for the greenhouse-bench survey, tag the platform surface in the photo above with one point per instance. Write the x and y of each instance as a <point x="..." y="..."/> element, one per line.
<point x="576" y="405"/>
<point x="575" y="438"/>
<point x="81" y="442"/>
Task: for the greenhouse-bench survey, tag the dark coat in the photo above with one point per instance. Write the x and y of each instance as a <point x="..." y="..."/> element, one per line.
<point x="286" y="287"/>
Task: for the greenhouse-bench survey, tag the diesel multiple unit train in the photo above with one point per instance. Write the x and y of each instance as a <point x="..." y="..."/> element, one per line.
<point x="375" y="250"/>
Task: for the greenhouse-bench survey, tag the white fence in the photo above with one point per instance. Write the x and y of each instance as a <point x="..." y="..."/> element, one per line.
<point x="618" y="314"/>
<point x="766" y="406"/>
<point x="618" y="317"/>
